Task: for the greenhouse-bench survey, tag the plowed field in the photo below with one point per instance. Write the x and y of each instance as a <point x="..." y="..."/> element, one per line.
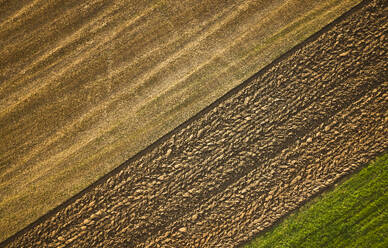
<point x="258" y="153"/>
<point x="85" y="85"/>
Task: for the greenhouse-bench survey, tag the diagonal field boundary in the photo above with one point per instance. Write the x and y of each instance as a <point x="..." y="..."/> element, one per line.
<point x="337" y="97"/>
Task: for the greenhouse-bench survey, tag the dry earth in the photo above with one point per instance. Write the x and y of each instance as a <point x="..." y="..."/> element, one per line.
<point x="258" y="153"/>
<point x="85" y="85"/>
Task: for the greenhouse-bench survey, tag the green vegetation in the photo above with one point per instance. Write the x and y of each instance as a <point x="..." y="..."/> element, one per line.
<point x="354" y="214"/>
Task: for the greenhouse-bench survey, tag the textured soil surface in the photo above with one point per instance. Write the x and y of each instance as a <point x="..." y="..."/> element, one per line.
<point x="85" y="85"/>
<point x="233" y="170"/>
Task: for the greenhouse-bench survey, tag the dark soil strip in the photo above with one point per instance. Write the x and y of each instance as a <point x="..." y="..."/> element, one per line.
<point x="314" y="115"/>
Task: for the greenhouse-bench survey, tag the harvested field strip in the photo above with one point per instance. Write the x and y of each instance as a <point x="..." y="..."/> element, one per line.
<point x="240" y="165"/>
<point x="353" y="215"/>
<point x="85" y="86"/>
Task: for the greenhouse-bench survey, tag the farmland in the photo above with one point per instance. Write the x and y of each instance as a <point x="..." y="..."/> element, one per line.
<point x="352" y="215"/>
<point x="86" y="85"/>
<point x="259" y="152"/>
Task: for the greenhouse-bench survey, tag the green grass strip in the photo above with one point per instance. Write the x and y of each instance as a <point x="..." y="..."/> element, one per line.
<point x="354" y="214"/>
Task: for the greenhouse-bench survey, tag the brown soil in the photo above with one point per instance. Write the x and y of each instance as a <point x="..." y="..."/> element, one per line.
<point x="85" y="85"/>
<point x="286" y="134"/>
